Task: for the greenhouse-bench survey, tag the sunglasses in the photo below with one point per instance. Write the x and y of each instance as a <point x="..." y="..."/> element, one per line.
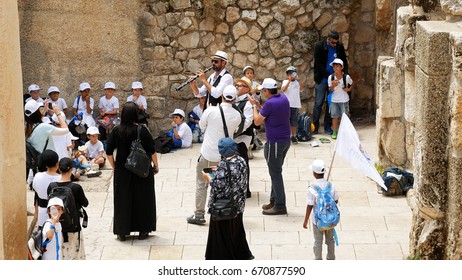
<point x="239" y="85"/>
<point x="333" y="42"/>
<point x="214" y="61"/>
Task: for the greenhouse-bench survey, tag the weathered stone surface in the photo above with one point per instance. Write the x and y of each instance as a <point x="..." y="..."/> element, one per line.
<point x="249" y="15"/>
<point x="239" y="60"/>
<point x="287" y="6"/>
<point x="452" y="7"/>
<point x="254" y="33"/>
<point x="189" y="40"/>
<point x="180" y="4"/>
<point x="410" y="97"/>
<point x="290" y="25"/>
<point x="269" y="63"/>
<point x="304" y="40"/>
<point x="185" y="23"/>
<point x="248" y="4"/>
<point x="394" y="142"/>
<point x="389" y="90"/>
<point x="246" y="44"/>
<point x="155" y="85"/>
<point x="340" y="23"/>
<point x="383" y="14"/>
<point x="281" y="47"/>
<point x="264" y="20"/>
<point x="273" y="30"/>
<point x="232" y="14"/>
<point x="364" y="34"/>
<point x="240" y="29"/>
<point x="323" y="20"/>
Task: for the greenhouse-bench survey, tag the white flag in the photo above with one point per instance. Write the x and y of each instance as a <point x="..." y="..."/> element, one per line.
<point x="349" y="147"/>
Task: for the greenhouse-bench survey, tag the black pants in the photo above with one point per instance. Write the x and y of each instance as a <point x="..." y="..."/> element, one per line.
<point x="243" y="152"/>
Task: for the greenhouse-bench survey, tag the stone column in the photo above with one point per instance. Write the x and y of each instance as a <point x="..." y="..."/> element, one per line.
<point x="13" y="218"/>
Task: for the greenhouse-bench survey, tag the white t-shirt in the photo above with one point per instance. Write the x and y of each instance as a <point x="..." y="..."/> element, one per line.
<point x="82" y="107"/>
<point x="40" y="186"/>
<point x="39" y="100"/>
<point x="61" y="144"/>
<point x="185" y="134"/>
<point x="217" y="92"/>
<point x="248" y="113"/>
<point x="312" y="195"/>
<point x="50" y="253"/>
<point x="61" y="103"/>
<point x="339" y="95"/>
<point x="293" y="93"/>
<point x="94" y="150"/>
<point x="140" y="101"/>
<point x="108" y="104"/>
<point x="198" y="110"/>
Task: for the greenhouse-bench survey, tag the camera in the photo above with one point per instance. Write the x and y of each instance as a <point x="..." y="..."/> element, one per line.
<point x="50" y="106"/>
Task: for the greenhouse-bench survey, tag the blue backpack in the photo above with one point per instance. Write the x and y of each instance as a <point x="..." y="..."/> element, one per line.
<point x="327" y="214"/>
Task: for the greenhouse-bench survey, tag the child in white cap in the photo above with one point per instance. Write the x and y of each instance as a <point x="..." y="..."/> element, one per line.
<point x="52" y="234"/>
<point x="319" y="169"/>
<point x="140" y="100"/>
<point x="181" y="132"/>
<point x="109" y="109"/>
<point x="95" y="148"/>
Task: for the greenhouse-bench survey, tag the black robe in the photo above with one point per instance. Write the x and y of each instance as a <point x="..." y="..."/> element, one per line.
<point x="134" y="197"/>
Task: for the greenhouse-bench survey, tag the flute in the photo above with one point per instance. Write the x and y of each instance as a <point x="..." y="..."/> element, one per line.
<point x="187" y="82"/>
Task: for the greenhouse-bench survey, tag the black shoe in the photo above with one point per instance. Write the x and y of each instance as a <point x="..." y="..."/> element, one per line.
<point x="121" y="237"/>
<point x="294" y="140"/>
<point x="143" y="235"/>
<point x="249" y="195"/>
<point x="275" y="211"/>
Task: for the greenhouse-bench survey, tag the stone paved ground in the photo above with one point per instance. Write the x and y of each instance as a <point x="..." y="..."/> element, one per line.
<point x="372" y="227"/>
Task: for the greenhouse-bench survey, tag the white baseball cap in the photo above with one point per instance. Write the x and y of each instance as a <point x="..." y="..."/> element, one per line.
<point x="31" y="107"/>
<point x="84" y="86"/>
<point x="221" y="55"/>
<point x="177" y="112"/>
<point x="33" y="87"/>
<point x="230" y="93"/>
<point x="268" y="83"/>
<point x="247" y="67"/>
<point x="318" y="166"/>
<point x="55" y="201"/>
<point x="92" y="130"/>
<point x="109" y="85"/>
<point x="136" y="85"/>
<point x="53" y="89"/>
<point x="336" y="61"/>
<point x="55" y="117"/>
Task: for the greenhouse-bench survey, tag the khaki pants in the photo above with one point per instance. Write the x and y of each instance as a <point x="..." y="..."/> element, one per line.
<point x="201" y="185"/>
<point x="330" y="242"/>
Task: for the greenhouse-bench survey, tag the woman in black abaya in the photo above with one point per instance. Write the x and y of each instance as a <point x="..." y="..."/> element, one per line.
<point x="226" y="239"/>
<point x="134" y="197"/>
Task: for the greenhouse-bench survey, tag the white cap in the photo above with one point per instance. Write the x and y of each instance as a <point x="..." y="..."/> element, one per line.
<point x="268" y="83"/>
<point x="55" y="201"/>
<point x="74" y="137"/>
<point x="110" y="85"/>
<point x="221" y="55"/>
<point x="55" y="117"/>
<point x="336" y="61"/>
<point x="31" y="107"/>
<point x="136" y="85"/>
<point x="84" y="86"/>
<point x="247" y="67"/>
<point x="92" y="130"/>
<point x="291" y="68"/>
<point x="53" y="89"/>
<point x="230" y="93"/>
<point x="33" y="87"/>
<point x="318" y="166"/>
<point x="177" y="112"/>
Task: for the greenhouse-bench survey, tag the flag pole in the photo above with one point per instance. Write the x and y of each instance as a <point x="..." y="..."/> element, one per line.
<point x="331" y="163"/>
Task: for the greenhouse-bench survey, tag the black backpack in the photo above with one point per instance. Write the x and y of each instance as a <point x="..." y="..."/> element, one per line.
<point x="33" y="158"/>
<point x="70" y="219"/>
<point x="304" y="128"/>
<point x="35" y="246"/>
<point x="163" y="144"/>
<point x="398" y="181"/>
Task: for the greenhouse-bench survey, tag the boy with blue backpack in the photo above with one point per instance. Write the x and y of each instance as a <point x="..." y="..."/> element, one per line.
<point x="322" y="209"/>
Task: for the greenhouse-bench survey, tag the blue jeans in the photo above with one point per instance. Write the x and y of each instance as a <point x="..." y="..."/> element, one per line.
<point x="275" y="153"/>
<point x="321" y="91"/>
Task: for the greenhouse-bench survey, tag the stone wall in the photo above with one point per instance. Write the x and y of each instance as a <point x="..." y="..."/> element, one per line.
<point x="163" y="42"/>
<point x="418" y="124"/>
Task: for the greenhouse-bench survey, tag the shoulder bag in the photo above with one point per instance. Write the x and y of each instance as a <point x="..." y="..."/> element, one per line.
<point x="225" y="208"/>
<point x="138" y="162"/>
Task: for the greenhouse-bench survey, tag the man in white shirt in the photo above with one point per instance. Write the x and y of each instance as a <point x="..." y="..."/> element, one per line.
<point x="213" y="87"/>
<point x="212" y="124"/>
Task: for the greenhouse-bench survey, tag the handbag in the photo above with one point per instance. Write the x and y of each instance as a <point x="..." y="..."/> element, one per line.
<point x="138" y="162"/>
<point x="225" y="208"/>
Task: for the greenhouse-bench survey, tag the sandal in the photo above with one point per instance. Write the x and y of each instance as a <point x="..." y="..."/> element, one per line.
<point x="324" y="140"/>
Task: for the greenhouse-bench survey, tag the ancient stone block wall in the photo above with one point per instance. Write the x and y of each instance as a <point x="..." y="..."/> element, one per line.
<point x="418" y="96"/>
<point x="162" y="42"/>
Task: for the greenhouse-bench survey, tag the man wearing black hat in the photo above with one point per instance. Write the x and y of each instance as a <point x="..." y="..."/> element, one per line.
<point x="213" y="87"/>
<point x="325" y="51"/>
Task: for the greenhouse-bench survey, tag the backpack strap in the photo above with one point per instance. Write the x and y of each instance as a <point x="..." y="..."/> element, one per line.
<point x="225" y="127"/>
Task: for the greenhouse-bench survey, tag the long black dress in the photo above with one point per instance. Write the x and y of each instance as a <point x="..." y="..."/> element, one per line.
<point x="227" y="239"/>
<point x="134" y="197"/>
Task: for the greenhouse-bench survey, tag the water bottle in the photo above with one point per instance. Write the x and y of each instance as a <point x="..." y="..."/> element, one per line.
<point x="294" y="74"/>
<point x="53" y="212"/>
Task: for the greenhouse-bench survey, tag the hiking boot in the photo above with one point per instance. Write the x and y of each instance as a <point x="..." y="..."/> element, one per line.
<point x="275" y="211"/>
<point x="196" y="219"/>
<point x="294" y="140"/>
<point x="334" y="135"/>
<point x="268" y="206"/>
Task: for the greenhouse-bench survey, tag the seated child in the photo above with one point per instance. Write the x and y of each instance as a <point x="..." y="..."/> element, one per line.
<point x="194" y="118"/>
<point x="181" y="132"/>
<point x="109" y="108"/>
<point x="95" y="149"/>
<point x="52" y="231"/>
